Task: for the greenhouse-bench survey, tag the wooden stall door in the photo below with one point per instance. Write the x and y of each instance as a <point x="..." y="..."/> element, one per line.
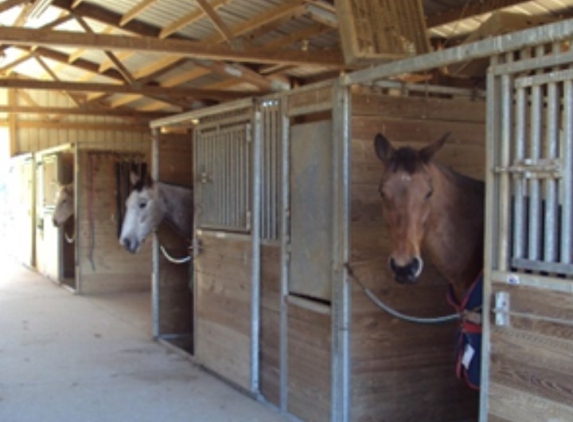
<point x="310" y="275"/>
<point x="223" y="259"/>
<point x="529" y="279"/>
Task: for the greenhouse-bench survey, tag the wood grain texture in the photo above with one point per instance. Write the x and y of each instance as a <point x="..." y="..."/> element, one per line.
<point x="530" y="362"/>
<point x="309" y="360"/>
<point x="404" y="372"/>
<point x="223" y="286"/>
<point x="113" y="269"/>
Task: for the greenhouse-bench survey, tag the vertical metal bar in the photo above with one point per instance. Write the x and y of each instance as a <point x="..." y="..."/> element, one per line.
<point x="490" y="251"/>
<point x="77" y="215"/>
<point x="275" y="171"/>
<point x="155" y="293"/>
<point x="519" y="197"/>
<point x="341" y="307"/>
<point x="534" y="147"/>
<point x="197" y="201"/>
<point x="567" y="182"/>
<point x="505" y="198"/>
<point x="265" y="164"/>
<point x="227" y="178"/>
<point x="256" y="251"/>
<point x="550" y="227"/>
<point x="285" y="253"/>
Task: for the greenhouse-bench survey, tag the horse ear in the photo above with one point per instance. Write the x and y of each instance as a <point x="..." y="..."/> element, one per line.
<point x="384" y="150"/>
<point x="428" y="151"/>
<point x="134" y="178"/>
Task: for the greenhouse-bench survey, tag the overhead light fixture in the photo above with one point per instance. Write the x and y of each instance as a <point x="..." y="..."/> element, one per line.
<point x="38" y="7"/>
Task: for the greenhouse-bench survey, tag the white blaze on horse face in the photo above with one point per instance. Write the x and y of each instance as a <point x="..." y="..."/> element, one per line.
<point x="143" y="213"/>
<point x="64" y="205"/>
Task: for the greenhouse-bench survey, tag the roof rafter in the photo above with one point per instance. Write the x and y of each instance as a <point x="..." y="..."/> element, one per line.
<point x="41" y="37"/>
<point x="135" y="11"/>
<point x="177" y="92"/>
<point x="9" y="4"/>
<point x="469" y="10"/>
<point x="220" y="25"/>
<point x="188" y="19"/>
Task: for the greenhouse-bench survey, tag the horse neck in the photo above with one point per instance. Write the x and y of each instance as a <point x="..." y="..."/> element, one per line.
<point x="454" y="239"/>
<point x="177" y="205"/>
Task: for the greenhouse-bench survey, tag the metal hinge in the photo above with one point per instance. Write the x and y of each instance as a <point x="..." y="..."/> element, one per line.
<point x="532" y="168"/>
<point x="501" y="309"/>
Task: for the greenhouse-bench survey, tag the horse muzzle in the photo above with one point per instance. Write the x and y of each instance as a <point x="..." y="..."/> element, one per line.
<point x="130" y="245"/>
<point x="409" y="273"/>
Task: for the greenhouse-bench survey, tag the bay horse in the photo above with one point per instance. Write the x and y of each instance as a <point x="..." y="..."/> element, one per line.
<point x="149" y="204"/>
<point x="64" y="208"/>
<point x="435" y="212"/>
<point x="431" y="210"/>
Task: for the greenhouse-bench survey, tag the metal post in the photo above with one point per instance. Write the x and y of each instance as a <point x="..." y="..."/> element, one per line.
<point x="285" y="251"/>
<point x="519" y="204"/>
<point x="256" y="250"/>
<point x="77" y="216"/>
<point x="155" y="293"/>
<point x="567" y="182"/>
<point x="490" y="252"/>
<point x="340" y="394"/>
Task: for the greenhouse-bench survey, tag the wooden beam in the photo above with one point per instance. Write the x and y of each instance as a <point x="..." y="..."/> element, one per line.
<point x="220" y="25"/>
<point x="135" y="11"/>
<point x="12" y="122"/>
<point x="143" y="127"/>
<point x="468" y="10"/>
<point x="55" y="77"/>
<point x="78" y="53"/>
<point x="81" y="111"/>
<point x="9" y="4"/>
<point x="188" y="19"/>
<point x="118" y="64"/>
<point x="23" y="58"/>
<point x="176" y="92"/>
<point x="41" y="37"/>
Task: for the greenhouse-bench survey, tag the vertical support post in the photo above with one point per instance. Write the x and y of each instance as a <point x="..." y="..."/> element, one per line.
<point x="285" y="250"/>
<point x="567" y="182"/>
<point x="493" y="129"/>
<point x="155" y="246"/>
<point x="519" y="207"/>
<point x="77" y="216"/>
<point x="340" y="393"/>
<point x="256" y="250"/>
<point x="13" y="122"/>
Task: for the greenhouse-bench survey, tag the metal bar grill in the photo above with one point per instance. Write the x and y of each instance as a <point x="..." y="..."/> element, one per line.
<point x="222" y="171"/>
<point x="535" y="155"/>
<point x="270" y="182"/>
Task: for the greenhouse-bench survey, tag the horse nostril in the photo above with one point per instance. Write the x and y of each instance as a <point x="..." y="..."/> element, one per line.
<point x="126" y="243"/>
<point x="393" y="265"/>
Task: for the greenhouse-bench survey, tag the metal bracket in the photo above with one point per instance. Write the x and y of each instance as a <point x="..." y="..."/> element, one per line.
<point x="532" y="168"/>
<point x="501" y="309"/>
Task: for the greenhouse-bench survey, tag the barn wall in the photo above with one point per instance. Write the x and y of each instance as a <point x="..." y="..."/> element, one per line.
<point x="37" y="132"/>
<point x="104" y="266"/>
<point x="400" y="371"/>
<point x="175" y="289"/>
<point x="223" y="287"/>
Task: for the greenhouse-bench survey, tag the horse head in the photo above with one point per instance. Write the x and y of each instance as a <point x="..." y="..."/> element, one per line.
<point x="407" y="190"/>
<point x="144" y="212"/>
<point x="64" y="205"/>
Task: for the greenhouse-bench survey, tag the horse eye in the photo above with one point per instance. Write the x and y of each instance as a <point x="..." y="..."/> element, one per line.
<point x="142" y="205"/>
<point x="429" y="194"/>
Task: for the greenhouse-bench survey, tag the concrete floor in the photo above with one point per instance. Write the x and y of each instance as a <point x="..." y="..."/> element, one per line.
<point x="68" y="358"/>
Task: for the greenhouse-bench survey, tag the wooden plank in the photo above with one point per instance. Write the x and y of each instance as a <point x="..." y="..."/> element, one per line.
<point x="31" y="37"/>
<point x="506" y="403"/>
<point x="135" y="11"/>
<point x="418" y="108"/>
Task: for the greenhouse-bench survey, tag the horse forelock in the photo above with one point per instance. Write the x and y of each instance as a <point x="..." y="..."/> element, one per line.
<point x="408" y="160"/>
<point x="139" y="186"/>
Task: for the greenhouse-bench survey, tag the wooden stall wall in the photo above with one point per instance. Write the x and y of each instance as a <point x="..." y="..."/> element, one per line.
<point x="35" y="133"/>
<point x="531" y="370"/>
<point x="175" y="280"/>
<point x="223" y="273"/>
<point x="103" y="265"/>
<point x="270" y="322"/>
<point x="403" y="372"/>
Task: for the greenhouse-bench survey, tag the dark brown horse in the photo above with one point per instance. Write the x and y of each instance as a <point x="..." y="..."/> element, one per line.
<point x="432" y="212"/>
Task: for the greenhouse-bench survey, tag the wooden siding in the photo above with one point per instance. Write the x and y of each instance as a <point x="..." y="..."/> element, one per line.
<point x="270" y="323"/>
<point x="531" y="370"/>
<point x="400" y="371"/>
<point x="223" y="324"/>
<point x="309" y="364"/>
<point x="175" y="287"/>
<point x="104" y="266"/>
